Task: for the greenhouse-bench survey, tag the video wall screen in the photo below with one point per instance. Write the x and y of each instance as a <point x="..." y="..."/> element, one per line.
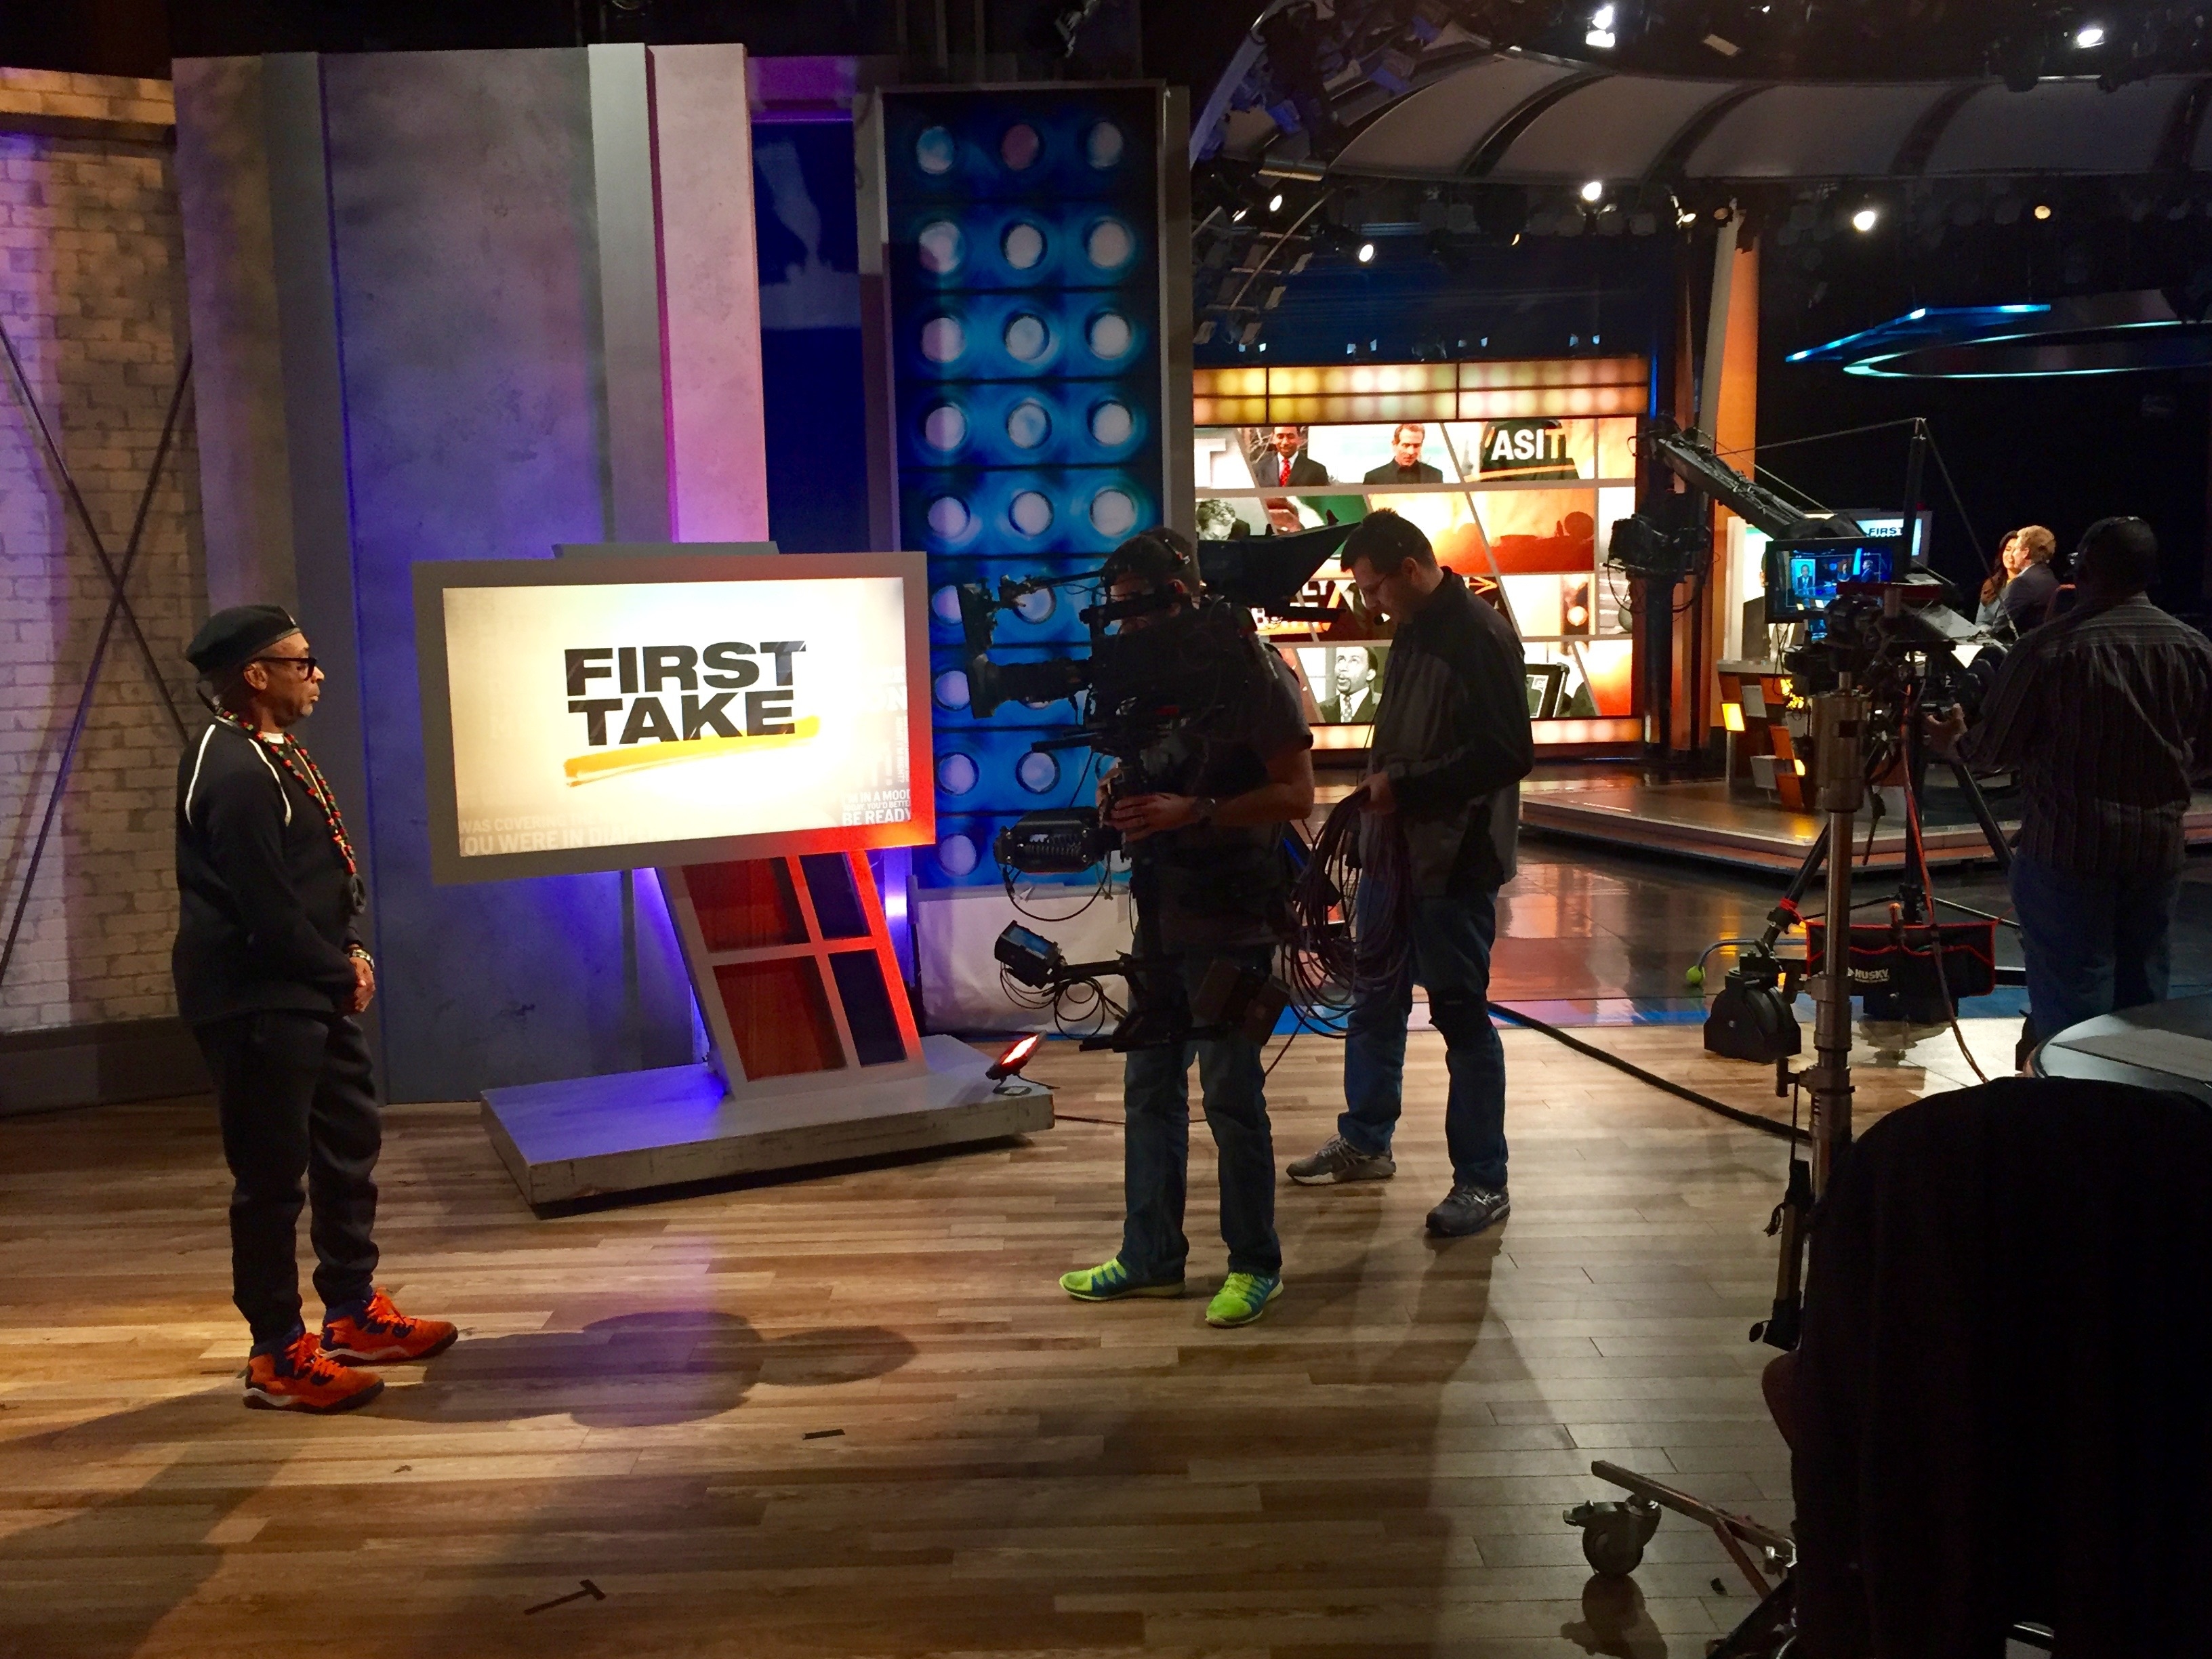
<point x="1519" y="507"/>
<point x="600" y="714"/>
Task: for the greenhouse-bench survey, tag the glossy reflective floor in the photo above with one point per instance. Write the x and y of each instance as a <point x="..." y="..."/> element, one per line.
<point x="1588" y="934"/>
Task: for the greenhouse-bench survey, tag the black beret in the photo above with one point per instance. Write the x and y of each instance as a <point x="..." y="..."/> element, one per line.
<point x="237" y="636"/>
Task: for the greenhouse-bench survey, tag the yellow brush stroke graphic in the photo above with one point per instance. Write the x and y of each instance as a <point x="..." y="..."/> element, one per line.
<point x="607" y="762"/>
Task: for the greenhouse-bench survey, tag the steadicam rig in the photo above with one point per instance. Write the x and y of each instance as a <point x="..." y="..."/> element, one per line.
<point x="1229" y="999"/>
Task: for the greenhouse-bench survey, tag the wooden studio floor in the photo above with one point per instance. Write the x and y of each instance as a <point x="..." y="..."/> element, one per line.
<point x="853" y="1415"/>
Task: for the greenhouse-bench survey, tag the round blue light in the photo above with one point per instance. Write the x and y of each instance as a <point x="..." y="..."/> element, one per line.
<point x="935" y="151"/>
<point x="1037" y="607"/>
<point x="1028" y="424"/>
<point x="950" y="690"/>
<point x="957" y="773"/>
<point x="944" y="428"/>
<point x="957" y="855"/>
<point x="1113" y="511"/>
<point x="1028" y="339"/>
<point x="1036" y="772"/>
<point x="949" y="517"/>
<point x="941" y="247"/>
<point x="1110" y="336"/>
<point x="1030" y="512"/>
<point x="1110" y="245"/>
<point x="1112" y="424"/>
<point x="942" y="339"/>
<point x="946" y="602"/>
<point x="1104" y="144"/>
<point x="1023" y="245"/>
<point x="1021" y="147"/>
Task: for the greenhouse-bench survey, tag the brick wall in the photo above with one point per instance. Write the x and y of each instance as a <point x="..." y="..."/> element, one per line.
<point x="92" y="294"/>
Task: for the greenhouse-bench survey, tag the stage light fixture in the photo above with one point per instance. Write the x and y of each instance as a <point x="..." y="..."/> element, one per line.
<point x="1367" y="254"/>
<point x="1275" y="203"/>
<point x="1865" y="219"/>
<point x="1594" y="190"/>
<point x="1237" y="217"/>
<point x="2089" y="36"/>
<point x="2043" y="210"/>
<point x="1015" y="1056"/>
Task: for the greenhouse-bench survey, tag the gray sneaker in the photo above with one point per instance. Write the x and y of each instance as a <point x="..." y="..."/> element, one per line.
<point x="1468" y="1209"/>
<point x="1340" y="1160"/>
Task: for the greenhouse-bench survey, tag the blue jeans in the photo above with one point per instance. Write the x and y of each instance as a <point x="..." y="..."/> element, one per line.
<point x="1156" y="1143"/>
<point x="1451" y="941"/>
<point x="2093" y="943"/>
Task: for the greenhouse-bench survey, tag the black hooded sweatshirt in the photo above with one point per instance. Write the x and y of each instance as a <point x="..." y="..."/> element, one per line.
<point x="266" y="903"/>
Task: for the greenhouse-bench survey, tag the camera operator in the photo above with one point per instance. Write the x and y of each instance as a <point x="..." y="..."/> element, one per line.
<point x="1451" y="741"/>
<point x="2106" y="714"/>
<point x="1207" y="875"/>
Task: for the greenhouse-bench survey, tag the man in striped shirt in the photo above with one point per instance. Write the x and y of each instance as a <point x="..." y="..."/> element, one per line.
<point x="2106" y="714"/>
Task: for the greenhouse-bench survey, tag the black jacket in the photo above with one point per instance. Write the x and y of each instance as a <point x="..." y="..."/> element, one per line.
<point x="1453" y="733"/>
<point x="2000" y="1401"/>
<point x="1304" y="469"/>
<point x="1391" y="472"/>
<point x="266" y="909"/>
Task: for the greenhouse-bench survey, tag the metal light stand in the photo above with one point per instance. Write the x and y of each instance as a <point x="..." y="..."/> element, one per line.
<point x="1614" y="1535"/>
<point x="1838" y="742"/>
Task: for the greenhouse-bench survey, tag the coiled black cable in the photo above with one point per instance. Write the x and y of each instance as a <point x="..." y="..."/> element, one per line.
<point x="1349" y="875"/>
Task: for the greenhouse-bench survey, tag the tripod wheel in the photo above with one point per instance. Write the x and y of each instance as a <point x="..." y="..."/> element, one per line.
<point x="1614" y="1535"/>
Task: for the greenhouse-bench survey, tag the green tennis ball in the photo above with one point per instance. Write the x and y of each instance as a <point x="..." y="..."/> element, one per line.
<point x="1695" y="977"/>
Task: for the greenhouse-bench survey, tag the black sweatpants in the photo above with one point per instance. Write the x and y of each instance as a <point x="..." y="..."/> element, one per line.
<point x="297" y="1097"/>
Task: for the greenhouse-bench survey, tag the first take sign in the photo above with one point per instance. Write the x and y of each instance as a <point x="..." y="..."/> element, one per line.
<point x="598" y="713"/>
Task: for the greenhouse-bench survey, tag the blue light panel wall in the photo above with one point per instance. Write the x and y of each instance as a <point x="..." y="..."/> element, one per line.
<point x="1028" y="362"/>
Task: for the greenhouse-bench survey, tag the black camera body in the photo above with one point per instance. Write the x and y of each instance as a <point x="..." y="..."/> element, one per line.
<point x="1147" y="695"/>
<point x="1898" y="642"/>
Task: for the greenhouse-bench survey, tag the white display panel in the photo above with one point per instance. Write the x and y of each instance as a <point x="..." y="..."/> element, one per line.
<point x="600" y="713"/>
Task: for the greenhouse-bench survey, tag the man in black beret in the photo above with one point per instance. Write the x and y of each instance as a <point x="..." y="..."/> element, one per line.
<point x="271" y="973"/>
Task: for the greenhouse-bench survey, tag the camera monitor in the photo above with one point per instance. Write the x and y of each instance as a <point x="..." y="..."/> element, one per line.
<point x="1803" y="578"/>
<point x="601" y="713"/>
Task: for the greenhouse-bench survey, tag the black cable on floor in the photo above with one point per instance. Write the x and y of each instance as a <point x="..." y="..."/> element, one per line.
<point x="1734" y="1113"/>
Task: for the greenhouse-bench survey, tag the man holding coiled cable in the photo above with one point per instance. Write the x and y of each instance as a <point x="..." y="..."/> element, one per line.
<point x="1451" y="743"/>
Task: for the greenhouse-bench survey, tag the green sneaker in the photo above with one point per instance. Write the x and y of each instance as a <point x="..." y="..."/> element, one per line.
<point x="1109" y="1281"/>
<point x="1242" y="1298"/>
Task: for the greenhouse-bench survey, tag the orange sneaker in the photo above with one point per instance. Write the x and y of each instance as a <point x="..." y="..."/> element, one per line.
<point x="298" y="1377"/>
<point x="381" y="1334"/>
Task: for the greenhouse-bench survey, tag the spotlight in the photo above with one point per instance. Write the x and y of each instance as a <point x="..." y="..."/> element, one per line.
<point x="1602" y="39"/>
<point x="2043" y="210"/>
<point x="2089" y="36"/>
<point x="1367" y="254"/>
<point x="1594" y="190"/>
<point x="1275" y="203"/>
<point x="1237" y="217"/>
<point x="1865" y="219"/>
<point x="1017" y="1055"/>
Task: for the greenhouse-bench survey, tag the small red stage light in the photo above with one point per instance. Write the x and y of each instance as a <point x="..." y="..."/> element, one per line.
<point x="1016" y="1057"/>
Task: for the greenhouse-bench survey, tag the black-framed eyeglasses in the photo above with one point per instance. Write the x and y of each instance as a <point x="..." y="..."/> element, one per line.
<point x="305" y="664"/>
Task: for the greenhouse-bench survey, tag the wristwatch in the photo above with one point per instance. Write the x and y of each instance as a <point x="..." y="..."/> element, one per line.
<point x="1206" y="807"/>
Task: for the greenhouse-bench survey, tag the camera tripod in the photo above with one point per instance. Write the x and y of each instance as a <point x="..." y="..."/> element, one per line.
<point x="1614" y="1533"/>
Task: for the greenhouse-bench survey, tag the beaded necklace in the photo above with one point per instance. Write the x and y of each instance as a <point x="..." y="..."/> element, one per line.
<point x="309" y="776"/>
